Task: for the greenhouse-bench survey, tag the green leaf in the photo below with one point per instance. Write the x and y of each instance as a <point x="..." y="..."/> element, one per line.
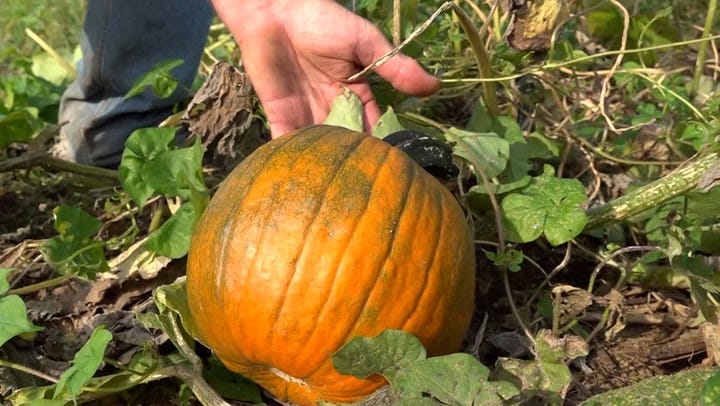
<point x="510" y="259"/>
<point x="13" y="318"/>
<point x="144" y="363"/>
<point x="47" y="67"/>
<point x="18" y="126"/>
<point x="502" y="188"/>
<point x="151" y="164"/>
<point x="346" y="111"/>
<point x="142" y="147"/>
<point x="172" y="239"/>
<point x="73" y="251"/>
<point x="455" y="379"/>
<point x="159" y="78"/>
<point x="4" y="284"/>
<point x="487" y="150"/>
<point x="74" y="224"/>
<point x="711" y="391"/>
<point x="84" y="365"/>
<point x="229" y="384"/>
<point x="83" y="258"/>
<point x="174" y="298"/>
<point x="549" y="206"/>
<point x="481" y="120"/>
<point x="540" y="146"/>
<point x="174" y="172"/>
<point x="387" y="124"/>
<point x="384" y="354"/>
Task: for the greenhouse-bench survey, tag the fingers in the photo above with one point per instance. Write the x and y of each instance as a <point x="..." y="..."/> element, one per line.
<point x="402" y="72"/>
<point x="406" y="75"/>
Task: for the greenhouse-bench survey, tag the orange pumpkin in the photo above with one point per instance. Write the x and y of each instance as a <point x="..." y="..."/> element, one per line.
<point x="320" y="236"/>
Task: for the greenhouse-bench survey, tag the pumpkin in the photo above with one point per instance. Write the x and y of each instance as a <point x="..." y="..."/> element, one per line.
<point x="317" y="237"/>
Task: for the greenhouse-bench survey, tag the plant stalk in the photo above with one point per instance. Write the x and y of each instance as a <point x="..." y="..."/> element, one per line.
<point x="702" y="51"/>
<point x="483" y="60"/>
<point x="653" y="194"/>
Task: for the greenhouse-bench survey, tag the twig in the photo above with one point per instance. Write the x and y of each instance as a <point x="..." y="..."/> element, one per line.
<point x="562" y="64"/>
<point x="606" y="81"/>
<point x="27" y="370"/>
<point x="396" y="22"/>
<point x="558" y="268"/>
<point x="473" y="36"/>
<point x="624" y="250"/>
<point x="108" y="176"/>
<point x="50" y="283"/>
<point x="420" y="29"/>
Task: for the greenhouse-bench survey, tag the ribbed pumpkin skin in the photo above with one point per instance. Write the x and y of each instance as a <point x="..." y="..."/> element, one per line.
<point x="317" y="237"/>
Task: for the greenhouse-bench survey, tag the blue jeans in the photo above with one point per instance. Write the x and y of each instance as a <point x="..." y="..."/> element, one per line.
<point x="121" y="41"/>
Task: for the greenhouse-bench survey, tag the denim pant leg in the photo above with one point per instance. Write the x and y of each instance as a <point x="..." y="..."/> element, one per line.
<point x="122" y="40"/>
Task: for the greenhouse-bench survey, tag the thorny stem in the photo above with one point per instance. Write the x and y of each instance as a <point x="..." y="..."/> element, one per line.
<point x="653" y="194"/>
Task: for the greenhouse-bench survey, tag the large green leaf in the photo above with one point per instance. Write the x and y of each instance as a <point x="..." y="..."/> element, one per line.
<point x="385" y="354"/>
<point x="549" y="206"/>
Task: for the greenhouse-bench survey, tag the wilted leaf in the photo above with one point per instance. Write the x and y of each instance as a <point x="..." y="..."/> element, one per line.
<point x="548" y="379"/>
<point x="387" y="124"/>
<point x="455" y="379"/>
<point x="485" y="149"/>
<point x="174" y="298"/>
<point x="346" y="111"/>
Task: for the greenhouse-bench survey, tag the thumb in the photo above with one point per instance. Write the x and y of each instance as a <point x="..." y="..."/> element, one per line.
<point x="401" y="71"/>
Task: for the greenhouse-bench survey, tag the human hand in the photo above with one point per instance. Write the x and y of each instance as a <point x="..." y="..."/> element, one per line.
<point x="298" y="54"/>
